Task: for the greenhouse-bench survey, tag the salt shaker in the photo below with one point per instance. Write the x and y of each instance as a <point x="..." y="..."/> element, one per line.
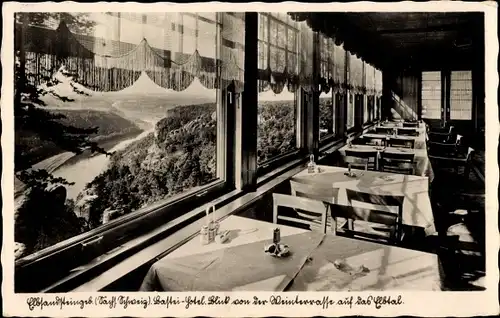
<point x="204" y="235"/>
<point x="276" y="236"/>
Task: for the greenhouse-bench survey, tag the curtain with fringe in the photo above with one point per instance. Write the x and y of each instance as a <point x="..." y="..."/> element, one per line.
<point x="339" y="84"/>
<point x="378" y="82"/>
<point x="369" y="79"/>
<point x="104" y="64"/>
<point x="327" y="61"/>
<point x="355" y="74"/>
<point x="279" y="47"/>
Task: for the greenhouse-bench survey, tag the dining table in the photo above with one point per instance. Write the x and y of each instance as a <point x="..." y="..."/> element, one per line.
<point x="240" y="264"/>
<point x="423" y="165"/>
<point x="417" y="209"/>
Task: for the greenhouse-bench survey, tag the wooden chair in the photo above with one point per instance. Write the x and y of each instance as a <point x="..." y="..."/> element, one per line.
<point x="369" y="224"/>
<point x="401" y="143"/>
<point x="361" y="159"/>
<point x="374" y="141"/>
<point x="383" y="130"/>
<point x="360" y="141"/>
<point x="402" y="163"/>
<point x="312" y="190"/>
<point x="407" y="132"/>
<point x="455" y="162"/>
<point x="317" y="210"/>
<point x="442" y="135"/>
<point x="410" y="124"/>
<point x="396" y="202"/>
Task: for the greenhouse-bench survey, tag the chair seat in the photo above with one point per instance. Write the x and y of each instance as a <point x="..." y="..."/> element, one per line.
<point x="467" y="245"/>
<point x="371" y="228"/>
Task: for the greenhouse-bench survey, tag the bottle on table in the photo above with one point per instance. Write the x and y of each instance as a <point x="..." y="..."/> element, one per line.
<point x="311" y="166"/>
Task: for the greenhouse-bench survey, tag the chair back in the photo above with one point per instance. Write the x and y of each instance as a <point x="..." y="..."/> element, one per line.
<point x="355" y="158"/>
<point x="353" y="214"/>
<point x="374" y="141"/>
<point x="402" y="143"/>
<point x="470" y="154"/>
<point x="406" y="124"/>
<point x="442" y="149"/>
<point x="313" y="207"/>
<point x="314" y="191"/>
<point x="383" y="130"/>
<point x="360" y="141"/>
<point x="386" y="200"/>
<point x="397" y="162"/>
<point x="407" y="132"/>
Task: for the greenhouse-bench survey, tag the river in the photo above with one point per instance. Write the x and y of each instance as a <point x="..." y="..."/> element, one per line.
<point x="85" y="170"/>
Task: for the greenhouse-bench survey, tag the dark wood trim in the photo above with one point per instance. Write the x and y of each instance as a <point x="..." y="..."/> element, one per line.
<point x="419" y="96"/>
<point x="246" y="114"/>
<point x="313" y="106"/>
<point x="446" y="85"/>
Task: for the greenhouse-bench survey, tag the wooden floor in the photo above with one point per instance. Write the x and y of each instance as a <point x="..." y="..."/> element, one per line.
<point x="451" y="191"/>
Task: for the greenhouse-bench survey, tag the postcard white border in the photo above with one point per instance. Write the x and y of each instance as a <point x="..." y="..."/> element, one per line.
<point x="460" y="304"/>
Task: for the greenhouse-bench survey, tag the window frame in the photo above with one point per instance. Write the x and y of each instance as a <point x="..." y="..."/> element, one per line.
<point x="277" y="161"/>
<point x="324" y="62"/>
<point x="85" y="247"/>
<point x="469" y="79"/>
<point x="330" y="136"/>
<point x="439" y="98"/>
<point x="351" y="98"/>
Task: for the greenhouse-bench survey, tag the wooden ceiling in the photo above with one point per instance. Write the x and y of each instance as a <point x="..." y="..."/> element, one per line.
<point x="405" y="39"/>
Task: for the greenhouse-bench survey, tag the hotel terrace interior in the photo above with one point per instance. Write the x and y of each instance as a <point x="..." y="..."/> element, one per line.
<point x="245" y="151"/>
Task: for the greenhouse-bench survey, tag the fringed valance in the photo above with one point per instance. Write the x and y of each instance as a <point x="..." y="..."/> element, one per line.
<point x="48" y="50"/>
<point x="369" y="79"/>
<point x="285" y="54"/>
<point x="335" y="26"/>
<point x="356" y="74"/>
<point x="378" y="82"/>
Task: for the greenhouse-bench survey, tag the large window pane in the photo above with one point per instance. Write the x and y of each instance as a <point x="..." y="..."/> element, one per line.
<point x="326" y="115"/>
<point x="461" y="95"/>
<point x="276" y="134"/>
<point x="156" y="129"/>
<point x="366" y="110"/>
<point x="431" y="95"/>
<point x="350" y="111"/>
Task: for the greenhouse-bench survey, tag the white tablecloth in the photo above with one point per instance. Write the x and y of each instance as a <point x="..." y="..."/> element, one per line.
<point x="242" y="265"/>
<point x="417" y="209"/>
<point x="423" y="167"/>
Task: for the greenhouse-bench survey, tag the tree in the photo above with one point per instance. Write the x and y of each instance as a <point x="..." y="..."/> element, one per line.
<point x="36" y="226"/>
<point x="29" y="112"/>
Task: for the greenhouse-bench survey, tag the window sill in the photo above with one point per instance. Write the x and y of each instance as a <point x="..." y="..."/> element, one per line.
<point x="274" y="165"/>
<point x="153" y="252"/>
<point x="111" y="258"/>
<point x="122" y="221"/>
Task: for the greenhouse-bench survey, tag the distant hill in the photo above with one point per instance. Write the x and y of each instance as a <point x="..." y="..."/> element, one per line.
<point x="179" y="155"/>
<point x="111" y="129"/>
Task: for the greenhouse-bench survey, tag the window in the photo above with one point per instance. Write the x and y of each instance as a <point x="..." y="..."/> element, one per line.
<point x="461" y="95"/>
<point x="366" y="110"/>
<point x="377" y="107"/>
<point x="326" y="115"/>
<point x="431" y="95"/>
<point x="152" y="113"/>
<point x="277" y="106"/>
<point x="326" y="105"/>
<point x="351" y="111"/>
